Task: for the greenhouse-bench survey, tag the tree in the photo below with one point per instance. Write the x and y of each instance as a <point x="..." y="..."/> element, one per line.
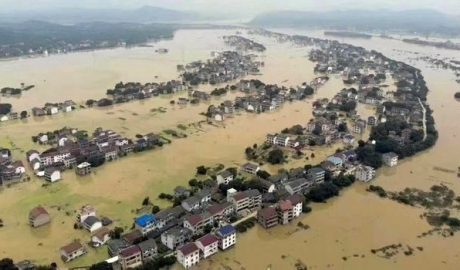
<point x="116" y="233"/>
<point x="368" y="156"/>
<point x="101" y="266"/>
<point x="24" y="114"/>
<point x="90" y="102"/>
<point x="323" y="192"/>
<point x="5" y="108"/>
<point x="155" y="209"/>
<point x="7" y="264"/>
<point x="193" y="182"/>
<point x="342" y="127"/>
<point x="201" y="170"/>
<point x="146" y="201"/>
<point x="276" y="156"/>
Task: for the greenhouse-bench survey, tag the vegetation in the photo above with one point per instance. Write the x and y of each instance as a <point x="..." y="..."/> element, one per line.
<point x="245" y="225"/>
<point x="323" y="192"/>
<point x="35" y="37"/>
<point x="5" y="108"/>
<point x="368" y="156"/>
<point x="219" y="92"/>
<point x="276" y="156"/>
<point x="457" y="95"/>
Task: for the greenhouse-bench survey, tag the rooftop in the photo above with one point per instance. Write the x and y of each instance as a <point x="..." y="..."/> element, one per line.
<point x="70" y="248"/>
<point x="207" y="240"/>
<point x="188" y="249"/>
<point x="37" y="211"/>
<point x="145" y="220"/>
<point x="130" y="251"/>
<point x="226" y="231"/>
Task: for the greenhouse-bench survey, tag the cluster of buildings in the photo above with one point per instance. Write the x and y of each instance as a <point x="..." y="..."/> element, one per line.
<point x="192" y="231"/>
<point x="259" y="97"/>
<point x="125" y="92"/>
<point x="54" y="108"/>
<point x="243" y="44"/>
<point x="11" y="171"/>
<point x="224" y="67"/>
<point x="74" y="150"/>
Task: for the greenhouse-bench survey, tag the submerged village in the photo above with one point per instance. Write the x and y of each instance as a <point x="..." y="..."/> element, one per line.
<point x="221" y="203"/>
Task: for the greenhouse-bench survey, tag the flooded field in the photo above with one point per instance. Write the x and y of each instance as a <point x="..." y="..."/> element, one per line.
<point x="349" y="226"/>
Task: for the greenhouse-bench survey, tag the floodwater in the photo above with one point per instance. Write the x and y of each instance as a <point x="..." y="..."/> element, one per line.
<point x="356" y="222"/>
<point x="352" y="224"/>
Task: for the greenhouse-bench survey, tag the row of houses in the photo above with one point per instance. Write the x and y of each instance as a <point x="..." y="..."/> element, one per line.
<point x="81" y="154"/>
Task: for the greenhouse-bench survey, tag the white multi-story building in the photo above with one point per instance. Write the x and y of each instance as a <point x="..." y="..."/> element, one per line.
<point x="297" y="203"/>
<point x="188" y="255"/>
<point x="226" y="236"/>
<point x="208" y="245"/>
<point x="390" y="159"/>
<point x="365" y="173"/>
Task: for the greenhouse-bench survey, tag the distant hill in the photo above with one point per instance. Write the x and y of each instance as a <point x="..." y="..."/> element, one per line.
<point x="146" y="14"/>
<point x="423" y="21"/>
<point x="38" y="37"/>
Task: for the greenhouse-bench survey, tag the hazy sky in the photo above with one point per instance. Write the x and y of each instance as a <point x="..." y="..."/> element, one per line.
<point x="247" y="7"/>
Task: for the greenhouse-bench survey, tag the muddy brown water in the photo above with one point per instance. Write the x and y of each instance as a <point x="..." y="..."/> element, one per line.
<point x="352" y="224"/>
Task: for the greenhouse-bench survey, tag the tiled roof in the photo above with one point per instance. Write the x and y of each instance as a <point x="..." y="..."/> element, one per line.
<point x="188" y="249"/>
<point x="130" y="251"/>
<point x="207" y="240"/>
<point x="70" y="248"/>
<point x="37" y="211"/>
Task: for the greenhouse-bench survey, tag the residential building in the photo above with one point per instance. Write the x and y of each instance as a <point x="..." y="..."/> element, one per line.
<point x="149" y="250"/>
<point x="100" y="237"/>
<point x="316" y="174"/>
<point x="85" y="212"/>
<point x="72" y="251"/>
<point x="296" y="201"/>
<point x="285" y="212"/>
<point x="298" y="186"/>
<point x="188" y="255"/>
<point x="364" y="173"/>
<point x="83" y="169"/>
<point x="176" y="237"/>
<point x="390" y="159"/>
<point x="359" y="126"/>
<point x="52" y="174"/>
<point x="181" y="192"/>
<point x="371" y="121"/>
<point x="221" y="211"/>
<point x="92" y="224"/>
<point x="226" y="236"/>
<point x="267" y="217"/>
<point x="133" y="237"/>
<point x="130" y="257"/>
<point x="251" y="168"/>
<point x="196" y="223"/>
<point x="115" y="246"/>
<point x="146" y="223"/>
<point x="39" y="217"/>
<point x="208" y="245"/>
<point x="248" y="199"/>
<point x="224" y="177"/>
<point x="169" y="215"/>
